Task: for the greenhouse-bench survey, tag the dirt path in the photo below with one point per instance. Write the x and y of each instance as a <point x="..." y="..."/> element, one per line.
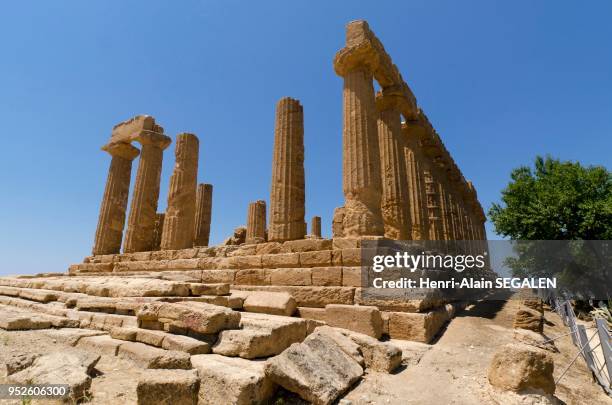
<point x="454" y="370"/>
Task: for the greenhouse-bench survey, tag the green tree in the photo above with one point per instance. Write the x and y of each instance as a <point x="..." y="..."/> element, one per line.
<point x="556" y="201"/>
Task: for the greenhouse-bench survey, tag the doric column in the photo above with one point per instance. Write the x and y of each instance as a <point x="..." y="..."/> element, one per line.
<point x="159" y="229"/>
<point x="114" y="202"/>
<point x="287" y="191"/>
<point x="433" y="207"/>
<point x="143" y="210"/>
<point x="203" y="214"/>
<point x="256" y="222"/>
<point x="315" y="227"/>
<point x="443" y="209"/>
<point x="395" y="203"/>
<point x="361" y="177"/>
<point x="179" y="224"/>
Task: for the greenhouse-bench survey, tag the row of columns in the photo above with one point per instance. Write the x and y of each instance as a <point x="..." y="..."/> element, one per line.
<point x="186" y="222"/>
<point x="395" y="185"/>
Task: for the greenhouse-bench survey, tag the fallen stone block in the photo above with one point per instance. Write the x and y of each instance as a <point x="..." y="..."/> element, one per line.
<point x="168" y="387"/>
<point x="23" y="322"/>
<point x="231" y="380"/>
<point x="318" y="370"/>
<point x="270" y="303"/>
<point x="71" y="336"/>
<point x="185" y="344"/>
<point x="152" y="357"/>
<point x="70" y="367"/>
<point x="38" y="295"/>
<point x="261" y="335"/>
<point x="100" y="344"/>
<point x="518" y="367"/>
<point x="196" y="316"/>
<point x="530" y="319"/>
<point x="418" y="327"/>
<point x="362" y="319"/>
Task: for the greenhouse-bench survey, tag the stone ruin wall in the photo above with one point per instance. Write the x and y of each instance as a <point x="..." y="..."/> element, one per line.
<point x="399" y="182"/>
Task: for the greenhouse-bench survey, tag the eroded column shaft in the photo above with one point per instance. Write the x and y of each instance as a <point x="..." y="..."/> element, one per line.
<point x="115" y="200"/>
<point x="203" y="214"/>
<point x="179" y="224"/>
<point x="395" y="203"/>
<point x="143" y="209"/>
<point x="256" y="222"/>
<point x="159" y="229"/>
<point x="361" y="157"/>
<point x="315" y="227"/>
<point x="287" y="197"/>
<point x="433" y="206"/>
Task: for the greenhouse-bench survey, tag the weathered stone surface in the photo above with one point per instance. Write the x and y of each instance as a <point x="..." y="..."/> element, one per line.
<point x="362" y="319"/>
<point x="195" y="316"/>
<point x="283" y="260"/>
<point x="160" y="217"/>
<point x="290" y="276"/>
<point x="261" y="335"/>
<point x="318" y="370"/>
<point x="231" y="380"/>
<point x="70" y="367"/>
<point x="306" y="245"/>
<point x="179" y="223"/>
<point x="252" y="277"/>
<point x="18" y="361"/>
<point x="245" y="262"/>
<point x="256" y="222"/>
<point x="306" y="296"/>
<point x="143" y="210"/>
<point x="315" y="227"/>
<point x="418" y="327"/>
<point x="287" y="196"/>
<point x="351" y="276"/>
<point x="71" y="336"/>
<point x="152" y="357"/>
<point x="209" y="289"/>
<point x="534" y="339"/>
<point x="527" y="318"/>
<point x="316" y="259"/>
<point x="115" y="199"/>
<point x="519" y="367"/>
<point x="168" y="387"/>
<point x="237" y="238"/>
<point x="203" y="214"/>
<point x="317" y="314"/>
<point x="100" y="344"/>
<point x="270" y="303"/>
<point x="326" y="276"/>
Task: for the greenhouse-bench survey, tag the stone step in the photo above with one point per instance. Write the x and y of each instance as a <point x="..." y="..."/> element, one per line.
<point x="308" y="296"/>
<point x="13" y="318"/>
<point x="261" y="335"/>
<point x="181" y="317"/>
<point x="143" y="355"/>
<point x="179" y="387"/>
<point x="162" y="339"/>
<point x="230" y="301"/>
<point x="274" y="303"/>
<point x="231" y="380"/>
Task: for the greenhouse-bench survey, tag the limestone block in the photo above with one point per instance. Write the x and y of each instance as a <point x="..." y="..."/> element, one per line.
<point x="274" y="261"/>
<point x="191" y="253"/>
<point x="195" y="316"/>
<point x="209" y="289"/>
<point x="218" y="276"/>
<point x="519" y="367"/>
<point x="152" y="357"/>
<point x="317" y="314"/>
<point x="418" y="327"/>
<point x="270" y="303"/>
<point x="317" y="370"/>
<point x="71" y="367"/>
<point x="252" y="277"/>
<point x="268" y="248"/>
<point x="345" y="243"/>
<point x="290" y="276"/>
<point x="306" y="245"/>
<point x="244" y="250"/>
<point x="327" y="276"/>
<point x="362" y="319"/>
<point x="316" y="259"/>
<point x="245" y="262"/>
<point x="351" y="276"/>
<point x="527" y="318"/>
<point x="231" y="380"/>
<point x="183" y="264"/>
<point x="103" y="344"/>
<point x="168" y="387"/>
<point x="351" y="257"/>
<point x="261" y="335"/>
<point x="18" y="361"/>
<point x="213" y="263"/>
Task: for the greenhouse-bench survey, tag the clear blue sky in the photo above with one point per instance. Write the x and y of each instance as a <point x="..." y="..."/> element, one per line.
<point x="501" y="82"/>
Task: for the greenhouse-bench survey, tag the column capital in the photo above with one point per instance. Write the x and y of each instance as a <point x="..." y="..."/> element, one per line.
<point x="389" y="100"/>
<point x="154" y="138"/>
<point x="121" y="149"/>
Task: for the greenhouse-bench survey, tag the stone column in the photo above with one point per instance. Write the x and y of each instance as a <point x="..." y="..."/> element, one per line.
<point x="433" y="207"/>
<point x="179" y="224"/>
<point x="361" y="157"/>
<point x="143" y="210"/>
<point x="203" y="214"/>
<point x="395" y="204"/>
<point x="315" y="227"/>
<point x="114" y="202"/>
<point x="287" y="200"/>
<point x="256" y="222"/>
<point x="159" y="229"/>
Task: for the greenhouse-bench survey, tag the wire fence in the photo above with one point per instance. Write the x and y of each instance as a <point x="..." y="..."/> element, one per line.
<point x="598" y="357"/>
